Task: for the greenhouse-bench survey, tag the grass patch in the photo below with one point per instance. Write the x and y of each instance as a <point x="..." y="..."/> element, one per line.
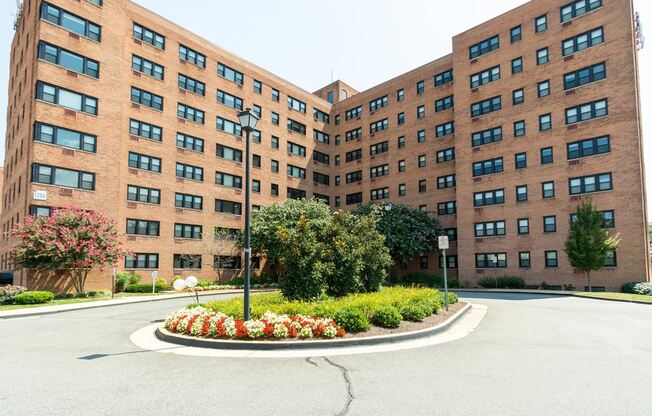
<point x="620" y="296"/>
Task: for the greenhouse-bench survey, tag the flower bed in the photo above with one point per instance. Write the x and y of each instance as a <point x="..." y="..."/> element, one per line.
<point x="201" y="322"/>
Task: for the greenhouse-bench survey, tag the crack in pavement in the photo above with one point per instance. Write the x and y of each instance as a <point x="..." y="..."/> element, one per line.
<point x="309" y="361"/>
<point x="347" y="383"/>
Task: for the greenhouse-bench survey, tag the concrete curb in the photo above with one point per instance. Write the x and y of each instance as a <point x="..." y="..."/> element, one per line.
<point x="18" y="313"/>
<point x="188" y="341"/>
<point x="550" y="292"/>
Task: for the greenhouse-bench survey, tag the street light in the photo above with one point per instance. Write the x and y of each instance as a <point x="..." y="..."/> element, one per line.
<point x="248" y="122"/>
<point x="388" y="208"/>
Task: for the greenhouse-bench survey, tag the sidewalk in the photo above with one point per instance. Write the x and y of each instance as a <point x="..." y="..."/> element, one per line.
<point x="582" y="295"/>
<point x="45" y="310"/>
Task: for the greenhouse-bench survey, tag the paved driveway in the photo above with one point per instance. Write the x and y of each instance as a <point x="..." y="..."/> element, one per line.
<point x="532" y="355"/>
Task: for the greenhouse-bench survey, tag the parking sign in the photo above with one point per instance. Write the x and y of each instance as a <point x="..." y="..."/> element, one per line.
<point x="442" y="242"/>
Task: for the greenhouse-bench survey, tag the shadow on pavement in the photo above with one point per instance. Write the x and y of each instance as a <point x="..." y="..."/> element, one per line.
<point x="506" y="296"/>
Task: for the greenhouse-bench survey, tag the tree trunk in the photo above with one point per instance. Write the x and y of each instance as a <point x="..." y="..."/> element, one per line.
<point x="588" y="278"/>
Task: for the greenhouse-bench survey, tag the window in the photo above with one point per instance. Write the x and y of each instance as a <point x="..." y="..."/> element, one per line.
<point x="542" y="56"/>
<point x="274" y="189"/>
<point x="324" y="198"/>
<point x="446" y="208"/>
<point x="228" y="207"/>
<point x="190" y="113"/>
<point x="487" y="136"/>
<point x="444" y="78"/>
<point x="523" y="226"/>
<point x="187" y="261"/>
<point x="546" y="155"/>
<point x="187" y="231"/>
<point x="451" y="233"/>
<point x="274" y="166"/>
<point x="47" y="133"/>
<point x="582" y="41"/>
<point x="293" y="193"/>
<point x="147" y="67"/>
<point x="296" y="105"/>
<point x="550" y="224"/>
<point x="192" y="56"/>
<point x="148" y="36"/>
<point x="66" y="98"/>
<point x="296" y="171"/>
<point x="296" y="126"/>
<point x="337" y="119"/>
<point x="578" y="8"/>
<point x="144" y="162"/>
<point x="422" y="186"/>
<point x="420" y="87"/>
<point x="451" y="261"/>
<point x="230" y="74"/>
<point x="354" y="176"/>
<point x="421" y="113"/>
<point x="141" y="261"/>
<point x="190" y="142"/>
<point x="275" y="142"/>
<point x="378" y="103"/>
<point x="330" y="97"/>
<point x="228" y="262"/>
<point x="401" y="165"/>
<point x="256" y="136"/>
<point x="485" y="106"/>
<point x="377" y="126"/>
<point x="484" y="47"/>
<point x="322" y="116"/>
<point x="543" y="89"/>
<point x="52" y="175"/>
<point x="71" y="22"/>
<point x="610" y="261"/>
<point x="275" y="118"/>
<point x="445" y="129"/>
<point x="146" y="98"/>
<point x="190" y="172"/>
<point x="380" y="170"/>
<point x="585" y="76"/>
<point x="296" y="149"/>
<point x="587" y="111"/>
<point x="69" y="60"/>
<point x="490" y="260"/>
<point x="401" y="142"/>
<point x="423" y="262"/>
<point x="588" y="147"/>
<point x="447" y="181"/>
<point x="421" y="136"/>
<point x="524" y="259"/>
<point x="192" y="85"/>
<point x="143" y="227"/>
<point x="353" y="113"/>
<point x="589" y="184"/>
<point x="380" y="193"/>
<point x="520" y="160"/>
<point x="485" y="77"/>
<point x="321" y="178"/>
<point x="517" y="65"/>
<point x="551" y="258"/>
<point x="353" y="134"/>
<point x="258" y="87"/>
<point x="276" y="95"/>
<point x="487" y="167"/>
<point x="379" y="148"/>
<point x="402" y="190"/>
<point x="320" y="136"/>
<point x="229" y="100"/>
<point x="545" y="122"/>
<point x="142" y="194"/>
<point x="515" y="34"/>
<point x="446" y="155"/>
<point x="400" y="95"/>
<point x="541" y="23"/>
<point x="188" y="201"/>
<point x="320" y="157"/>
<point x="444" y="103"/>
<point x="228" y="126"/>
<point x="226" y="179"/>
<point x="521" y="193"/>
<point x="548" y="189"/>
<point x="489" y="229"/>
<point x="518" y="97"/>
<point x="229" y="153"/>
<point x="40" y="211"/>
<point x="421" y="161"/>
<point x="492" y="197"/>
<point x="519" y="128"/>
<point x="353" y="155"/>
<point x="355" y="198"/>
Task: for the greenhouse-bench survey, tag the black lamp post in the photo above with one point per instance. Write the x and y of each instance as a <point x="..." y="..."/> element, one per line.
<point x="248" y="122"/>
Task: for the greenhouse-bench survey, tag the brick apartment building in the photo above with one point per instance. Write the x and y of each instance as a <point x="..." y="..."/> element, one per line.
<point x="113" y="108"/>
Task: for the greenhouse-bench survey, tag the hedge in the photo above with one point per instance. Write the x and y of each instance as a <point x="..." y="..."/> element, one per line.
<point x="33" y="297"/>
<point x="161" y="285"/>
<point x="502" y="282"/>
<point x="428" y="280"/>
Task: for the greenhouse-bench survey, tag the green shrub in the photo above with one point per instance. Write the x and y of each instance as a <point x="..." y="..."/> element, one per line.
<point x="92" y="293"/>
<point x="9" y="292"/>
<point x="643" y="289"/>
<point x="416" y="312"/>
<point x="628" y="287"/>
<point x="205" y="283"/>
<point x="33" y="297"/>
<point x="161" y="284"/>
<point x="66" y="295"/>
<point x="81" y="295"/>
<point x="122" y="279"/>
<point x="386" y="317"/>
<point x="428" y="280"/>
<point x="352" y="319"/>
<point x="502" y="282"/>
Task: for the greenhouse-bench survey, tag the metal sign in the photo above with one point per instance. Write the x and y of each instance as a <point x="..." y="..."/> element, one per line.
<point x="442" y="242"/>
<point x="40" y="195"/>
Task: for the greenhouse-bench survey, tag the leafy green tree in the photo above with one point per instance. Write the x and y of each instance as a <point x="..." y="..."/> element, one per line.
<point x="408" y="231"/>
<point x="588" y="242"/>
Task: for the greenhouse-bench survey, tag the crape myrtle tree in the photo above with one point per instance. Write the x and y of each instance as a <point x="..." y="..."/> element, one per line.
<point x="589" y="243"/>
<point x="71" y="241"/>
<point x="408" y="231"/>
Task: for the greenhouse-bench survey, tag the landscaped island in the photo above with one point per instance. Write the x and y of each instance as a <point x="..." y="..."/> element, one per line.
<point x="275" y="317"/>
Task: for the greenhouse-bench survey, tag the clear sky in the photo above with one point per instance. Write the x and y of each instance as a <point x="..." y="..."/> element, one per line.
<point x="362" y="42"/>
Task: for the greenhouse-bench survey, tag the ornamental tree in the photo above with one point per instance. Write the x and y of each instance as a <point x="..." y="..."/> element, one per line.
<point x="71" y="241"/>
<point x="588" y="242"/>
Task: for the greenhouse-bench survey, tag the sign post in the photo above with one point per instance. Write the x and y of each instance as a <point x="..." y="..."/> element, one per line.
<point x="442" y="243"/>
<point x="154" y="275"/>
<point x="113" y="274"/>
